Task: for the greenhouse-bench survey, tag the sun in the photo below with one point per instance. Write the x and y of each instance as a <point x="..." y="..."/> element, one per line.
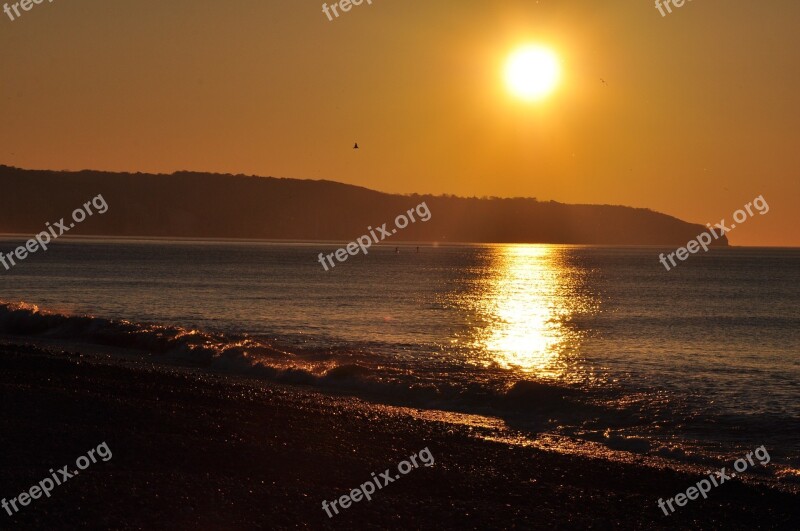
<point x="532" y="72"/>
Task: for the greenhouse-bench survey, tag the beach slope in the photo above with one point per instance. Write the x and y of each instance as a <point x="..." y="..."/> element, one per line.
<point x="193" y="451"/>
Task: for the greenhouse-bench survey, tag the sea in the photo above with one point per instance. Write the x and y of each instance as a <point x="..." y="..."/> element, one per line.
<point x="594" y="346"/>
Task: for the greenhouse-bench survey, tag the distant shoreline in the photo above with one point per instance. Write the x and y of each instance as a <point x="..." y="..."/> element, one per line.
<point x="393" y="243"/>
<point x="310" y="243"/>
<point x="210" y="206"/>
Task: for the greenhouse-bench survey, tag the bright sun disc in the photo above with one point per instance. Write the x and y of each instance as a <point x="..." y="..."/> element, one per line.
<point x="532" y="72"/>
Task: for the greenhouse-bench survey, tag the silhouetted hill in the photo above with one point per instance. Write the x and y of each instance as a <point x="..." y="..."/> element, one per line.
<point x="202" y="205"/>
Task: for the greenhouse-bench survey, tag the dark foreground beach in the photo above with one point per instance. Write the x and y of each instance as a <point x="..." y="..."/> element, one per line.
<point x="193" y="451"/>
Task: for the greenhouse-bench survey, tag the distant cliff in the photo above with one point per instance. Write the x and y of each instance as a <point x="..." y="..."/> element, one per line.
<point x="201" y="205"/>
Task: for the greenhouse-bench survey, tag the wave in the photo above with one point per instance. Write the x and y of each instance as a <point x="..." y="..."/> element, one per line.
<point x="256" y="357"/>
<point x="198" y="348"/>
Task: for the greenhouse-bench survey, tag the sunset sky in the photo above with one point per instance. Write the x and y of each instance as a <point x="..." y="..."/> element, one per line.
<point x="698" y="115"/>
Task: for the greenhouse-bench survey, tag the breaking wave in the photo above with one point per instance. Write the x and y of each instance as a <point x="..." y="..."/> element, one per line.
<point x="356" y="374"/>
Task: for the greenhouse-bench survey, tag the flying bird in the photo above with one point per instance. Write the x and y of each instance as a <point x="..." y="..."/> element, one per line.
<point x="356" y="146"/>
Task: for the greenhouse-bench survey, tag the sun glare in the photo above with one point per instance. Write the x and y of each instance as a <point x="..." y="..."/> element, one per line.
<point x="532" y="72"/>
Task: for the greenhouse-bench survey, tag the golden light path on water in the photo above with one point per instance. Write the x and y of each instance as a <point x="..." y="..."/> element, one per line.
<point x="527" y="302"/>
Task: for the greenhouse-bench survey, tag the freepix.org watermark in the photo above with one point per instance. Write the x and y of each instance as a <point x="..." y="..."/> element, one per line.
<point x="740" y="216"/>
<point x="365" y="242"/>
<point x="704" y="485"/>
<point x="26" y="5"/>
<point x="344" y="5"/>
<point x="57" y="229"/>
<point x="367" y="489"/>
<point x="676" y="3"/>
<point x="63" y="475"/>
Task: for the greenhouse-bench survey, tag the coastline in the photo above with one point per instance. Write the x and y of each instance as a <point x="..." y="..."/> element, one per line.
<point x="195" y="450"/>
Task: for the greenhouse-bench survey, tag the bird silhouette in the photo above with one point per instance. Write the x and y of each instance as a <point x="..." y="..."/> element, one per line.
<point x="356" y="146"/>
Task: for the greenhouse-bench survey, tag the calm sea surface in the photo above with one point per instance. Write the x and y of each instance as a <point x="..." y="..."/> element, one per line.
<point x="599" y="343"/>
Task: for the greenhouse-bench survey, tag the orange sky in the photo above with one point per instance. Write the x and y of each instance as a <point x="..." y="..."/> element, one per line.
<point x="699" y="116"/>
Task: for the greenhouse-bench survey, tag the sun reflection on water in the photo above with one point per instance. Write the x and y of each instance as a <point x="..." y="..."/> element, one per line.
<point x="527" y="303"/>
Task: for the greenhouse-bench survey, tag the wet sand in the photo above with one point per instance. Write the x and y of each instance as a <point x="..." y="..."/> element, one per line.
<point x="198" y="451"/>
